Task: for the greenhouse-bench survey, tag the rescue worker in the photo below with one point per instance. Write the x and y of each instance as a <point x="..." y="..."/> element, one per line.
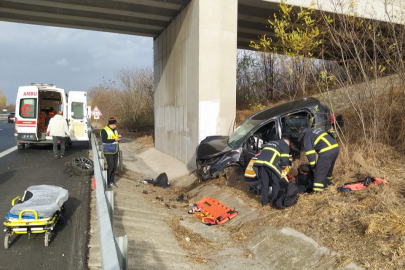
<point x="270" y="162"/>
<point x="109" y="136"/>
<point x="320" y="142"/>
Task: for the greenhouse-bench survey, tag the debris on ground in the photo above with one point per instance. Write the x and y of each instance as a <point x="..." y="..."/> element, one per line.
<point x="146" y="181"/>
<point x="161" y="181"/>
<point x="181" y="199"/>
<point x="145" y="192"/>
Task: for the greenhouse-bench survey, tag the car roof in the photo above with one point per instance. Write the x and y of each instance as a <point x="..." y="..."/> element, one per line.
<point x="285" y="108"/>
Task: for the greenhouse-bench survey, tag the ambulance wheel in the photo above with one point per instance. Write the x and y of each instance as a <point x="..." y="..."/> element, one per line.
<point x="82" y="166"/>
<point x="47" y="238"/>
<point x="21" y="146"/>
<point x="7" y="241"/>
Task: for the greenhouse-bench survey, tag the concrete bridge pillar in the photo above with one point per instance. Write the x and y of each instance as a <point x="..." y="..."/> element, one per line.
<point x="195" y="77"/>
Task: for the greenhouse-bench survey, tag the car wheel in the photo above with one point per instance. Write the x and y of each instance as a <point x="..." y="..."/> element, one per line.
<point x="82" y="166"/>
<point x="233" y="174"/>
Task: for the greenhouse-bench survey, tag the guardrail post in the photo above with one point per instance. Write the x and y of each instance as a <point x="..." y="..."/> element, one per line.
<point x="104" y="173"/>
<point x="120" y="160"/>
<point x="110" y="198"/>
<point x="122" y="245"/>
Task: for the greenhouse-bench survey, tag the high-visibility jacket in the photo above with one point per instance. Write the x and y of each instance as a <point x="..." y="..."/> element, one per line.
<point x="250" y="172"/>
<point x="251" y="176"/>
<point x="275" y="155"/>
<point x="317" y="141"/>
<point x="110" y="148"/>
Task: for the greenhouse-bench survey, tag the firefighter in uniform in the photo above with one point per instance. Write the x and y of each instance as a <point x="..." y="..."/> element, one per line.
<point x="320" y="142"/>
<point x="109" y="136"/>
<point x="272" y="160"/>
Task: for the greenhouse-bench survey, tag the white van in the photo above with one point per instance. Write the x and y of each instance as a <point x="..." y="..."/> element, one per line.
<point x="37" y="104"/>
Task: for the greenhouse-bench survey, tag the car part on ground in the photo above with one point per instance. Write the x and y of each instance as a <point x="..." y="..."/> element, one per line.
<point x="82" y="166"/>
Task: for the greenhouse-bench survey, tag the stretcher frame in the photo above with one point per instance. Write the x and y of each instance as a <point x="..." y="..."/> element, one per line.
<point x="36" y="225"/>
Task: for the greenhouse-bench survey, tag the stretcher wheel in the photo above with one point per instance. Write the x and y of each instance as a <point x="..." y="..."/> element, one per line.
<point x="47" y="238"/>
<point x="7" y="241"/>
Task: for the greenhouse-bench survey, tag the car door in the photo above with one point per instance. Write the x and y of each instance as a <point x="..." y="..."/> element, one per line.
<point x="259" y="136"/>
<point x="291" y="124"/>
<point x="77" y="115"/>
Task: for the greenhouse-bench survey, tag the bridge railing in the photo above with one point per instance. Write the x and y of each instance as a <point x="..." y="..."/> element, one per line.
<point x="113" y="249"/>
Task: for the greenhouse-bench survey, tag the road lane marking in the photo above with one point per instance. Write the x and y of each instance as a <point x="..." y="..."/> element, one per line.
<point x="8" y="151"/>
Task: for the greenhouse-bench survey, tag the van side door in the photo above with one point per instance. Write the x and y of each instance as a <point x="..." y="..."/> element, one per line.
<point x="77" y="115"/>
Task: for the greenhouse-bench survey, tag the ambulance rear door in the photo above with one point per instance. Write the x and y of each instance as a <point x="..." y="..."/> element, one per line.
<point x="26" y="114"/>
<point x="77" y="115"/>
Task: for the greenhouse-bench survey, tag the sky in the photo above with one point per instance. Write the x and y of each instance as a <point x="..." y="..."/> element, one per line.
<point x="69" y="58"/>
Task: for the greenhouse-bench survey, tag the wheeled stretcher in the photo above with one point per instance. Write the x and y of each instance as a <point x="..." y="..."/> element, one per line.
<point x="37" y="212"/>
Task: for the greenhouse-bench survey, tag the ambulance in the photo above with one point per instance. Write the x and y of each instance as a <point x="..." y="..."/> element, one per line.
<point x="38" y="103"/>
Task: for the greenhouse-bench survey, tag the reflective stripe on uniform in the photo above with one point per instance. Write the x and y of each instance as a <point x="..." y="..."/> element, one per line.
<point x="329" y="145"/>
<point x="272" y="149"/>
<point x="328" y="148"/>
<point x="269" y="164"/>
<point x="317" y="189"/>
<point x="318" y="185"/>
<point x="320" y="137"/>
<point x="329" y="178"/>
<point x="285" y="155"/>
<point x="310" y="152"/>
<point x="312" y="163"/>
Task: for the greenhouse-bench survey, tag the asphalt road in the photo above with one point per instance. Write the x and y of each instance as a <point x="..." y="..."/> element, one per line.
<point x="32" y="166"/>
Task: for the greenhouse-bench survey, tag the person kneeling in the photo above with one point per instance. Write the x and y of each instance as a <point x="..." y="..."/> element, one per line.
<point x="265" y="170"/>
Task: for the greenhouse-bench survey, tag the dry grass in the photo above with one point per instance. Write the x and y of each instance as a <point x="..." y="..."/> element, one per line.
<point x="195" y="244"/>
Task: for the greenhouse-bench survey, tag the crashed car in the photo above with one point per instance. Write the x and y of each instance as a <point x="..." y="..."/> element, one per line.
<point x="229" y="155"/>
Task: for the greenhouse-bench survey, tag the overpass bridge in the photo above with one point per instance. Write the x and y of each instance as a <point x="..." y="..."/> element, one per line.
<point x="195" y="47"/>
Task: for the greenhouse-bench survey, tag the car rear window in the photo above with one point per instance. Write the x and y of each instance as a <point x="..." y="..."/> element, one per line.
<point x="28" y="107"/>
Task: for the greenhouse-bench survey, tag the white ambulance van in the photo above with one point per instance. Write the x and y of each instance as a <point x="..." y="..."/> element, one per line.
<point x="37" y="104"/>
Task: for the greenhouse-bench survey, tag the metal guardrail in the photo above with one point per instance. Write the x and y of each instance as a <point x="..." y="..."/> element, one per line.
<point x="113" y="249"/>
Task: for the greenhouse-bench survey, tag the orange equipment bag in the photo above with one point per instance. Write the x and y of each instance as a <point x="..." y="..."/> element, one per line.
<point x="212" y="212"/>
<point x="368" y="181"/>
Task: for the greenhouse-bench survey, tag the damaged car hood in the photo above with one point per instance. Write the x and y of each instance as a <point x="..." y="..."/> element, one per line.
<point x="213" y="146"/>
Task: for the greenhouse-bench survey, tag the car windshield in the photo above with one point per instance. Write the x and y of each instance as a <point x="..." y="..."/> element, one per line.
<point x="240" y="133"/>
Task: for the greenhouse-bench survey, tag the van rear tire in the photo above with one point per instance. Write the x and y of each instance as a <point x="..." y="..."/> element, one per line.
<point x="20" y="146"/>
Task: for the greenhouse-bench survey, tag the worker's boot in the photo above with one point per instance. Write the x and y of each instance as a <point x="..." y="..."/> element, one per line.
<point x="328" y="181"/>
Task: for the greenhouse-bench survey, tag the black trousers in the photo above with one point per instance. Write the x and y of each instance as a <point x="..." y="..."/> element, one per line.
<point x="55" y="140"/>
<point x="269" y="178"/>
<point x="112" y="163"/>
<point x="325" y="165"/>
